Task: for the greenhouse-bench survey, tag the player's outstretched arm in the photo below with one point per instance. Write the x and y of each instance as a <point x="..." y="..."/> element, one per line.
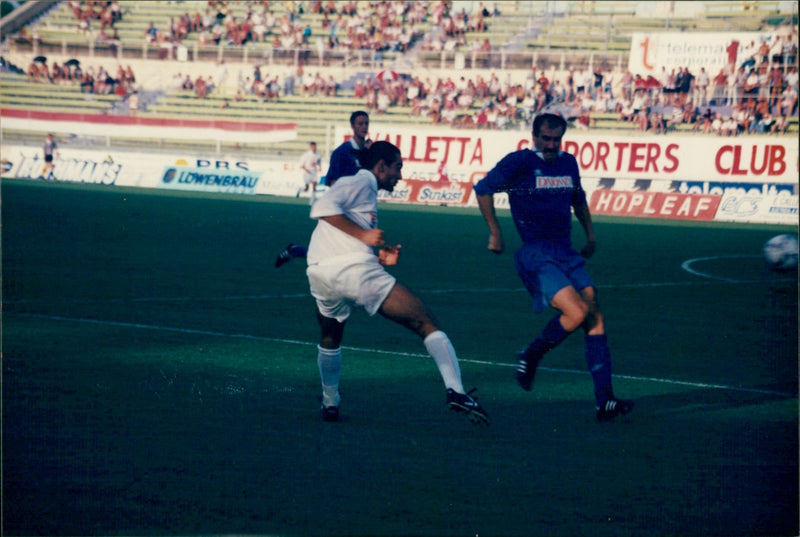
<point x="486" y="205"/>
<point x="372" y="237"/>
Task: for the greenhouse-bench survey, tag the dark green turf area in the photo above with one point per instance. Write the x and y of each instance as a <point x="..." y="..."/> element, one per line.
<point x="160" y="378"/>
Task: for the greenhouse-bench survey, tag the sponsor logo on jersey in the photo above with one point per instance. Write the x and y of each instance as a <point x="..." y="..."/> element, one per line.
<point x="559" y="181"/>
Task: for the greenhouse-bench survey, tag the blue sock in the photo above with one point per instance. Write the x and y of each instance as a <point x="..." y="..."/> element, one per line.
<point x="551" y="336"/>
<point x="598" y="360"/>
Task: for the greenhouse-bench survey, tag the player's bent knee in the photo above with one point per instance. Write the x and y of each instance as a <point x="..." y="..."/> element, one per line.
<point x="574" y="316"/>
<point x="570" y="323"/>
<point x="331" y="332"/>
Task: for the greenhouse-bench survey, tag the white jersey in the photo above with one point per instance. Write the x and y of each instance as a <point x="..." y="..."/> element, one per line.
<point x="310" y="163"/>
<point x="354" y="196"/>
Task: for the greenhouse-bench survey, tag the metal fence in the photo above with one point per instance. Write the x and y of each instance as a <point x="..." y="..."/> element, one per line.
<point x="311" y="56"/>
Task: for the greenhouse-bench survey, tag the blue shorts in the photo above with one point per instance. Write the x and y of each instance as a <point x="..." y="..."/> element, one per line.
<point x="546" y="268"/>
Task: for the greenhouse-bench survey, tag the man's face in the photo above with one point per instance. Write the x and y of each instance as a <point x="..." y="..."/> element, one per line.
<point x="388" y="174"/>
<point x="361" y="127"/>
<point x="548" y="141"/>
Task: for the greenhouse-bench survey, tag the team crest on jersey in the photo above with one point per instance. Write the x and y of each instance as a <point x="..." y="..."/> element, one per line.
<point x="557" y="181"/>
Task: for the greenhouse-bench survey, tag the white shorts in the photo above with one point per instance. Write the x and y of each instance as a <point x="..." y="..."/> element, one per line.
<point x="309" y="178"/>
<point x="339" y="283"/>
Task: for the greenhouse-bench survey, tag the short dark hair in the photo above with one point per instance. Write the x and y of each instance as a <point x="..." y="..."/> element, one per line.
<point x="552" y="120"/>
<point x="378" y="151"/>
<point x="355" y="115"/>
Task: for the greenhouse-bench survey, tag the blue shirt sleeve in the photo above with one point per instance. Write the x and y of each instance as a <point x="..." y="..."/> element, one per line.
<point x="334" y="168"/>
<point x="507" y="170"/>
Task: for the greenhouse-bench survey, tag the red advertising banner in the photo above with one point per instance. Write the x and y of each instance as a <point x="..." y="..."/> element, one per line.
<point x="655" y="204"/>
<point x="427" y="192"/>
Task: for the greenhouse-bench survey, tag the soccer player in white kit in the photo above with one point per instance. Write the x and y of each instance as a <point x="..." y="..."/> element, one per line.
<point x="311" y="164"/>
<point x="343" y="271"/>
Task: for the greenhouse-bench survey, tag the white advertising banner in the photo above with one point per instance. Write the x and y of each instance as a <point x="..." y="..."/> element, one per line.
<point x="467" y="155"/>
<point x="105" y="166"/>
<point x="650" y="52"/>
<point x="771" y="207"/>
<point x="752" y="179"/>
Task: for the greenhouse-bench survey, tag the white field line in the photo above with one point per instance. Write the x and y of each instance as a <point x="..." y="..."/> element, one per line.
<point x="688" y="384"/>
<point x="687" y="266"/>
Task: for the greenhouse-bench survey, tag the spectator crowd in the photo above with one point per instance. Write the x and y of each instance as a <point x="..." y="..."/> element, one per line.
<point x="757" y="94"/>
<point x="346" y="25"/>
<point x="92" y="80"/>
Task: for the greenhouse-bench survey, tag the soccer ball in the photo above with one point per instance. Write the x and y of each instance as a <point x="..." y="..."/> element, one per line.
<point x="780" y="252"/>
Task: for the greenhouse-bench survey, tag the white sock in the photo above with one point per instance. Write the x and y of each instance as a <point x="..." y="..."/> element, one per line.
<point x="443" y="353"/>
<point x="330" y="364"/>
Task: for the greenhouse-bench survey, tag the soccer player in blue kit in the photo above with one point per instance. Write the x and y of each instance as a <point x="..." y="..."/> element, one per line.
<point x="543" y="185"/>
<point x="344" y="159"/>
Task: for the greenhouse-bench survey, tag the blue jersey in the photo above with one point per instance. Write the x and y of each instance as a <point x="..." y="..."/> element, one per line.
<point x="343" y="162"/>
<point x="540" y="194"/>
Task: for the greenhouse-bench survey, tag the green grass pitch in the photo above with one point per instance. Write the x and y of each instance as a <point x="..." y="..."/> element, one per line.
<point x="159" y="378"/>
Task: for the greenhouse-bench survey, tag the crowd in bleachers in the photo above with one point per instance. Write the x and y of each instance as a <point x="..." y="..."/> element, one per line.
<point x="483" y="103"/>
<point x="103" y="13"/>
<point x="455" y="26"/>
<point x="757" y="95"/>
<point x="496" y="101"/>
<point x="380" y="26"/>
<point x="346" y="25"/>
<point x="465" y="102"/>
<point x="92" y="80"/>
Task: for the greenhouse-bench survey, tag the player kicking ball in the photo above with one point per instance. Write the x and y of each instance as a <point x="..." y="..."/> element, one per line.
<point x="343" y="271"/>
<point x="543" y="187"/>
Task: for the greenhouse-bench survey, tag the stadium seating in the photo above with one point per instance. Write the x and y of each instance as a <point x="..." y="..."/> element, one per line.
<point x="580" y="29"/>
<point x="19" y="93"/>
<point x="608" y="26"/>
<point x="312" y="115"/>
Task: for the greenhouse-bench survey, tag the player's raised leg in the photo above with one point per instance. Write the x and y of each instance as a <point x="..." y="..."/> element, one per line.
<point x="404" y="307"/>
<point x="572" y="313"/>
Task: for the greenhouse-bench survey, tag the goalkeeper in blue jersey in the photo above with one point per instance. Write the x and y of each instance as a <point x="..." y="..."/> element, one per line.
<point x="543" y="185"/>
